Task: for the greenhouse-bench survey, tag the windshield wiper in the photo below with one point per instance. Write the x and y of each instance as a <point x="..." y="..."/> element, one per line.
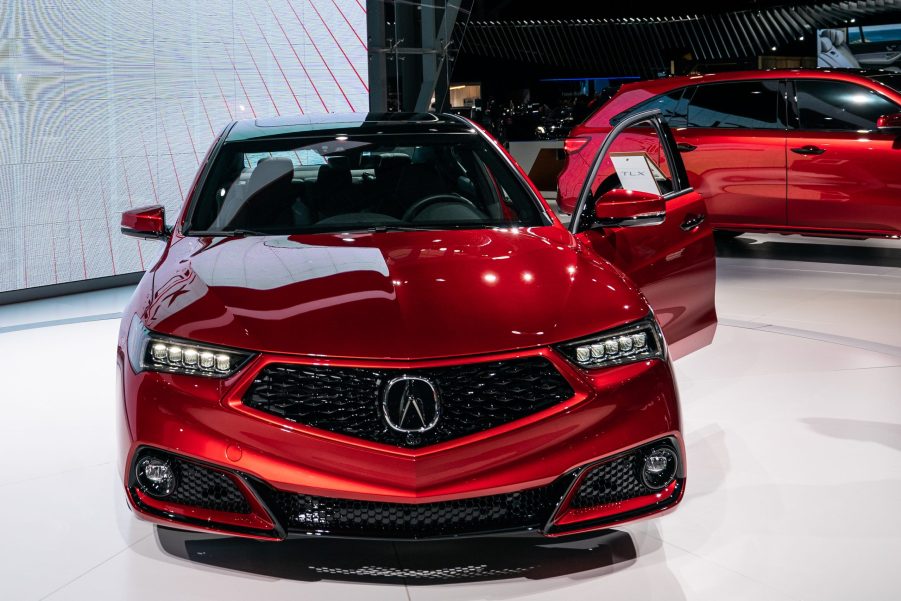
<point x="371" y="229"/>
<point x="392" y="228"/>
<point x="238" y="232"/>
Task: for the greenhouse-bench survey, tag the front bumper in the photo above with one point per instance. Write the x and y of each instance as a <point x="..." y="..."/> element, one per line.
<point x="296" y="480"/>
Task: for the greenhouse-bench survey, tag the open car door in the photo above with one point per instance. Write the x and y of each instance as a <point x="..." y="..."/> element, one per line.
<point x="637" y="210"/>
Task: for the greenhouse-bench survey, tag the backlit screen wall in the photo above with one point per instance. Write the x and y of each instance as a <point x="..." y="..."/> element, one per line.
<point x="860" y="46"/>
<point x="111" y="104"/>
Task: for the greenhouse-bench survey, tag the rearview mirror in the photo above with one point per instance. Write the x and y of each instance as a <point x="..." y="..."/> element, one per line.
<point x="629" y="208"/>
<point x="892" y="121"/>
<point x="145" y="222"/>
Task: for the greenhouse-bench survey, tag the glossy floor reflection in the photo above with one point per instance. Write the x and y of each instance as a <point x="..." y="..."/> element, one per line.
<point x="792" y="422"/>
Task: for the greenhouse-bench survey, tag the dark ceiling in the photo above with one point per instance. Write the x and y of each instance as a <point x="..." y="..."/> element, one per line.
<point x="567" y="9"/>
<point x="518" y="41"/>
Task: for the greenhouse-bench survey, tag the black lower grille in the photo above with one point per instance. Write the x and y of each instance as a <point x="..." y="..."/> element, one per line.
<point x="611" y="482"/>
<point x="473" y="397"/>
<point x="529" y="508"/>
<point x="205" y="488"/>
<point x="614" y="481"/>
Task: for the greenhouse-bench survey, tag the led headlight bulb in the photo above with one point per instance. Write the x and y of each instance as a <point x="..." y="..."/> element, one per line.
<point x="636" y="342"/>
<point x="149" y="351"/>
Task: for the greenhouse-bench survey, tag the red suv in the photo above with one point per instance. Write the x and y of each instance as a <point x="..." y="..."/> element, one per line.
<point x="789" y="151"/>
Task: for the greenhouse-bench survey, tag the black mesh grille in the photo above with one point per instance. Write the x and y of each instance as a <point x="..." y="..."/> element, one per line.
<point x="612" y="482"/>
<point x="474" y="397"/>
<point x="529" y="508"/>
<point x="205" y="488"/>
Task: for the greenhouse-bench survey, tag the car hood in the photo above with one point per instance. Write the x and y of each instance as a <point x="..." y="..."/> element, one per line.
<point x="390" y="295"/>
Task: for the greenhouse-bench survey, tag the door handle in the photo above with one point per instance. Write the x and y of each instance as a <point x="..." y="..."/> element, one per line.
<point x="685" y="147"/>
<point x="693" y="221"/>
<point x="809" y="149"/>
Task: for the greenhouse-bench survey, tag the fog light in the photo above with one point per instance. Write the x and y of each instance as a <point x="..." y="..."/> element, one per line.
<point x="659" y="468"/>
<point x="156" y="476"/>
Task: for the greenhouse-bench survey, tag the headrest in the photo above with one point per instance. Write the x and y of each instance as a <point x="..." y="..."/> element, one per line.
<point x="338" y="161"/>
<point x="396" y="160"/>
<point x="333" y="176"/>
<point x="838" y="37"/>
<point x="835" y="36"/>
<point x="369" y="161"/>
<point x="269" y="171"/>
<point x="423" y="154"/>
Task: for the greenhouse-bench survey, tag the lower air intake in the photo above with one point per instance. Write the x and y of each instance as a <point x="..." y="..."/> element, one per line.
<point x="205" y="488"/>
<point x="615" y="481"/>
<point x="529" y="508"/>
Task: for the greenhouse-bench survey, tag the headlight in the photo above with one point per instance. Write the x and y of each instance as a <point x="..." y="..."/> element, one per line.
<point x="148" y="351"/>
<point x="638" y="341"/>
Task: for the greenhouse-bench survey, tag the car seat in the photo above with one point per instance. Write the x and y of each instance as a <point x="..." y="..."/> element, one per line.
<point x="265" y="201"/>
<point x="334" y="188"/>
<point x="833" y="50"/>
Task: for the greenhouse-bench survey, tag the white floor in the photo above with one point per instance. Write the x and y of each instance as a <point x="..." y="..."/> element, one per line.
<point x="792" y="418"/>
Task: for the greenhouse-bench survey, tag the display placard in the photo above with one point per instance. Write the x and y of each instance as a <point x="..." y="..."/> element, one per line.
<point x="636" y="171"/>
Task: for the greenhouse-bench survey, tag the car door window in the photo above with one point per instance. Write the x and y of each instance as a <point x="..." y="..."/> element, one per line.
<point x="740" y="104"/>
<point x="639" y="139"/>
<point x="839" y="106"/>
<point x="650" y="139"/>
<point x="673" y="107"/>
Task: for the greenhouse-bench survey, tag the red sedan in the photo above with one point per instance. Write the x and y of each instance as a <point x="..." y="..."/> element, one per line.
<point x="374" y="326"/>
<point x="789" y="151"/>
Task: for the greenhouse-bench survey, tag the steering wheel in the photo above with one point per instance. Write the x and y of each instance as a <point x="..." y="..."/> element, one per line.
<point x="423" y="203"/>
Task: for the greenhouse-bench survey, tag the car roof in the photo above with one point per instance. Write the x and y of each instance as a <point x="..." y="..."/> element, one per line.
<point x="631" y="94"/>
<point x="288" y="126"/>
<point x="671" y="83"/>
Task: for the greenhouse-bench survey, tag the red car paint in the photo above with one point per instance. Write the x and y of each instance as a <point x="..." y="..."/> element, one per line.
<point x="413" y="300"/>
<point x="754" y="180"/>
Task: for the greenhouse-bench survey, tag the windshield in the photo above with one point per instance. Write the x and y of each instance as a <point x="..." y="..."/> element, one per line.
<point x="347" y="183"/>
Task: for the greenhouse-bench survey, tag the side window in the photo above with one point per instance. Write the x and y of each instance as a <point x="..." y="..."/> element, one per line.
<point x="672" y="106"/>
<point x="837" y="105"/>
<point x="740" y="104"/>
<point x="641" y="157"/>
<point x="641" y="140"/>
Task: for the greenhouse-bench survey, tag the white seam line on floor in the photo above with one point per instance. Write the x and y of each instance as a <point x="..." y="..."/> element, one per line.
<point x="88" y="571"/>
<point x="58" y="322"/>
<point x="866" y="345"/>
<point x="54" y="474"/>
<point x="777" y="374"/>
<point x="769" y="267"/>
<point x="782" y="592"/>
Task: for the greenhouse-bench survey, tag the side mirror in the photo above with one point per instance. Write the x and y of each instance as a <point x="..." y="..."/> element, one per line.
<point x="892" y="121"/>
<point x="145" y="222"/>
<point x="625" y="208"/>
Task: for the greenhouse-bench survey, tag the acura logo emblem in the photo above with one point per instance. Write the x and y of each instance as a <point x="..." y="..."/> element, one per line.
<point x="410" y="404"/>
